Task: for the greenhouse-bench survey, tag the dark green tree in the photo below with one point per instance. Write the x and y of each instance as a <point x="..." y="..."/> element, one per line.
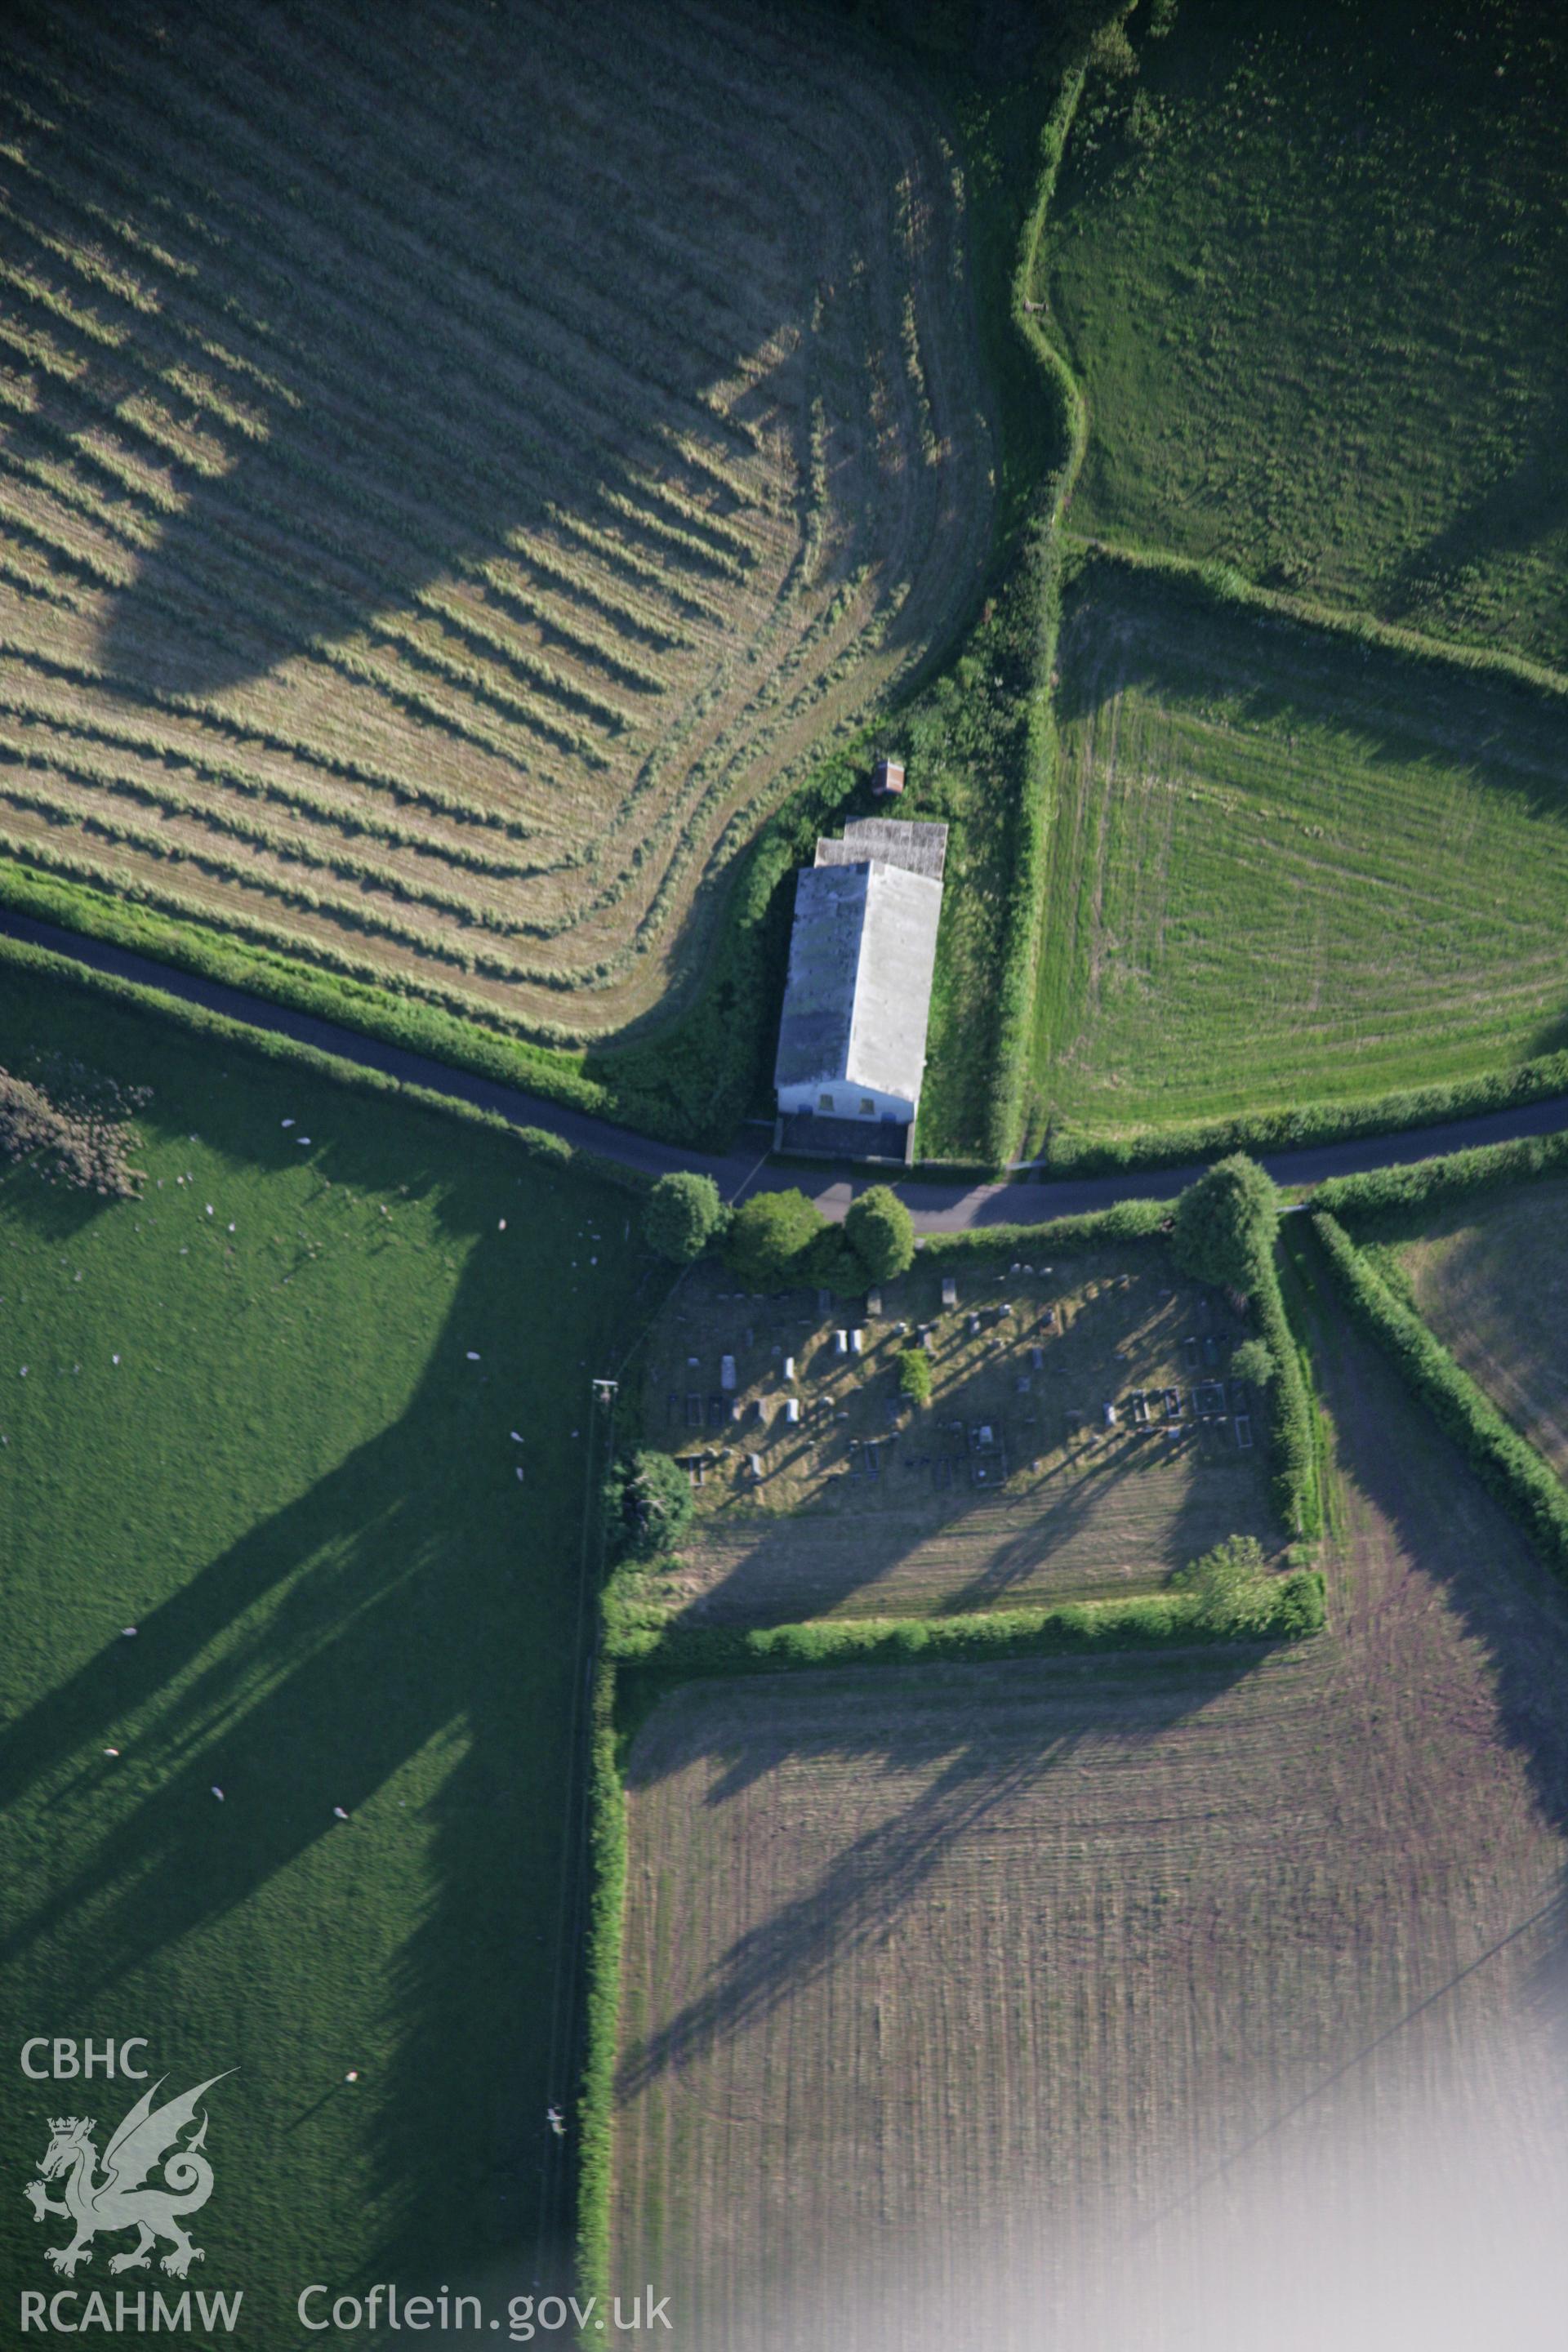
<point x="831" y="1261"/>
<point x="768" y="1237"/>
<point x="881" y="1233"/>
<point x="1231" y="1585"/>
<point x="684" y="1212"/>
<point x="647" y="1505"/>
<point x="1254" y="1361"/>
<point x="1226" y="1223"/>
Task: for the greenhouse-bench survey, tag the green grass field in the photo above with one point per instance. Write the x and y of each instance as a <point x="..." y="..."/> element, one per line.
<point x="1312" y="274"/>
<point x="1286" y="868"/>
<point x="259" y="1437"/>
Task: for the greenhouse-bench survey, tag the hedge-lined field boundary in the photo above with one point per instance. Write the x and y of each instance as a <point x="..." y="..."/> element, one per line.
<point x="606" y="1922"/>
<point x="1041" y="582"/>
<point x="1430" y="1185"/>
<point x="1069" y="1151"/>
<point x="1124" y="1221"/>
<point x="1505" y="1461"/>
<point x="267" y="1046"/>
<point x="1225" y="584"/>
<point x="681" y="1652"/>
<point x="1293" y="1473"/>
<point x="1084" y="1151"/>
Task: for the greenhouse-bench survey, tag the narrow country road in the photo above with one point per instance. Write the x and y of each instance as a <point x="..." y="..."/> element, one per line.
<point x="941" y="1206"/>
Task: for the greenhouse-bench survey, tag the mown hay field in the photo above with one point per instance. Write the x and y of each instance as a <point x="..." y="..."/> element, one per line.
<point x="259" y="1436"/>
<point x="1286" y="868"/>
<point x="937" y="1981"/>
<point x="1313" y="275"/>
<point x="1008" y="1487"/>
<point x="455" y="471"/>
<point x="1492" y="1278"/>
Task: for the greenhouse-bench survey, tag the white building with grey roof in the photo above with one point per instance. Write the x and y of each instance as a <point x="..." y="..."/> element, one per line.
<point x="852" y="1040"/>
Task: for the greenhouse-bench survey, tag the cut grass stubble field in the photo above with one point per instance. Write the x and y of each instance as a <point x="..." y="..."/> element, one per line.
<point x="470" y="677"/>
<point x="1286" y="869"/>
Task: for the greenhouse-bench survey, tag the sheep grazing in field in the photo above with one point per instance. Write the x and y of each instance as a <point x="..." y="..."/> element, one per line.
<point x="217" y="1793"/>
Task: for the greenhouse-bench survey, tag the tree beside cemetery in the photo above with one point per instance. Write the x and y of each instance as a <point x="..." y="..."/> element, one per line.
<point x="1254" y="1361"/>
<point x="768" y="1237"/>
<point x="881" y="1233"/>
<point x="684" y="1213"/>
<point x="1226" y="1223"/>
<point x="1231" y="1586"/>
<point x="647" y="1505"/>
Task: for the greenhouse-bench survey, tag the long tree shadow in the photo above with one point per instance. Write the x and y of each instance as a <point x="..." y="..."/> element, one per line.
<point x="300" y="1670"/>
<point x="447" y="285"/>
<point x="859" y="1899"/>
<point x="1446" y="1530"/>
<point x="1450" y="1530"/>
<point x="1110" y="1511"/>
<point x="1509" y="516"/>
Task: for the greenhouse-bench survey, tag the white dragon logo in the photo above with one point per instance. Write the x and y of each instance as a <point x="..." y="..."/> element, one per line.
<point x="119" y="2201"/>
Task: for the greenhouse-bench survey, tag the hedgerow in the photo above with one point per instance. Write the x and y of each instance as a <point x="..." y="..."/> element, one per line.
<point x="606" y="1913"/>
<point x="1428" y="1185"/>
<point x="1294" y="1468"/>
<point x="1300" y="1125"/>
<point x="1169" y="1619"/>
<point x="1041" y="584"/>
<point x="1205" y="578"/>
<point x="1124" y="1221"/>
<point x="1226" y="1230"/>
<point x="1505" y="1461"/>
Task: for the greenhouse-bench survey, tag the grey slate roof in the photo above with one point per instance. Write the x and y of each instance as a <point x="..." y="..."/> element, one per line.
<point x="896" y="840"/>
<point x="861" y="957"/>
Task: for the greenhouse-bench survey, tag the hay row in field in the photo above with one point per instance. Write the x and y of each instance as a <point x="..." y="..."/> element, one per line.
<point x="569" y="429"/>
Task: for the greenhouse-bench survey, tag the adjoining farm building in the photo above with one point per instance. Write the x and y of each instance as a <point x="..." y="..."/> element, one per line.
<point x="852" y="1041"/>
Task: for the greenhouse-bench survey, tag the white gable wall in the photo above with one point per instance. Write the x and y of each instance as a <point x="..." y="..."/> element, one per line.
<point x="846" y="1100"/>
